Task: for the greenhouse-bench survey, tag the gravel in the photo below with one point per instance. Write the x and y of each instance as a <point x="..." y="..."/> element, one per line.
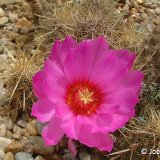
<point x="144" y="12"/>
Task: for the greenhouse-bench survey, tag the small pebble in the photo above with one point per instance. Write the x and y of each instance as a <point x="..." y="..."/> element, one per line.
<point x="3" y="21"/>
<point x="11" y="37"/>
<point x="84" y="156"/>
<point x="150" y="27"/>
<point x="21" y="40"/>
<point x="134" y="11"/>
<point x="13" y="17"/>
<point x="7" y="27"/>
<point x="25" y="25"/>
<point x="134" y="4"/>
<point x="96" y="157"/>
<point x="1" y="12"/>
<point x="125" y="8"/>
<point x="15" y="136"/>
<point x="39" y="147"/>
<point x="53" y="157"/>
<point x="14" y="147"/>
<point x="10" y="122"/>
<point x="39" y="158"/>
<point x="23" y="156"/>
<point x="2" y="155"/>
<point x="153" y="6"/>
<point x="156" y="21"/>
<point x="157" y="11"/>
<point x="144" y="15"/>
<point x="4" y="143"/>
<point x="15" y="28"/>
<point x="9" y="134"/>
<point x="22" y="123"/>
<point x="17" y="130"/>
<point x="2" y="130"/>
<point x="25" y="133"/>
<point x="148" y="4"/>
<point x="8" y="2"/>
<point x="9" y="156"/>
<point x="139" y="1"/>
<point x="39" y="127"/>
<point x="154" y="1"/>
<point x="31" y="128"/>
<point x="68" y="155"/>
<point x="27" y="146"/>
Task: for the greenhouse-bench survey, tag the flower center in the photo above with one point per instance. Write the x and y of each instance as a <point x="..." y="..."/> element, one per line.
<point x="83" y="97"/>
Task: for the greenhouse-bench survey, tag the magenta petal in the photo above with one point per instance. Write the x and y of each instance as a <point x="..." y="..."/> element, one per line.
<point x="43" y="110"/>
<point x="123" y="96"/>
<point x="133" y="80"/>
<point x="107" y="108"/>
<point x="54" y="92"/>
<point x="128" y="102"/>
<point x="86" y="137"/>
<point x="52" y="133"/>
<point x="37" y="82"/>
<point x="72" y="147"/>
<point x="99" y="140"/>
<point x="109" y="73"/>
<point x="52" y="70"/>
<point x="82" y="62"/>
<point x="127" y="57"/>
<point x="103" y="120"/>
<point x="71" y="128"/>
<point x="61" y="49"/>
<point x="106" y="142"/>
<point x="85" y="120"/>
<point x="127" y="99"/>
<point x="69" y="120"/>
<point x="84" y="57"/>
<point x="56" y="51"/>
<point x="63" y="111"/>
<point x="100" y="48"/>
<point x="117" y="121"/>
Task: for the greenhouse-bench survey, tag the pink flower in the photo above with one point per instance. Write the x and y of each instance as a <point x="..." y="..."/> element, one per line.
<point x="86" y="91"/>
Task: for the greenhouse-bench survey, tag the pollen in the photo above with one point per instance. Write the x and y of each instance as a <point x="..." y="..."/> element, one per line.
<point x="86" y="96"/>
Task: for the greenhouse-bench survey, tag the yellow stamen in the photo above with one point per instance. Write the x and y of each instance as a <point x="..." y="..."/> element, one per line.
<point x="86" y="96"/>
